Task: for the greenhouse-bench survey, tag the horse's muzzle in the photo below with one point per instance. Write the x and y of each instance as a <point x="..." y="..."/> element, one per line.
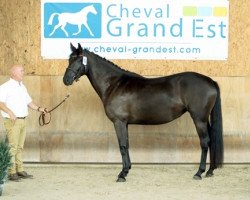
<point x="67" y="81"/>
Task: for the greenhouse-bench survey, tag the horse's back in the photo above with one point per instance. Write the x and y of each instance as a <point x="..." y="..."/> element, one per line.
<point x="191" y="90"/>
<point x="175" y="85"/>
<point x="157" y="100"/>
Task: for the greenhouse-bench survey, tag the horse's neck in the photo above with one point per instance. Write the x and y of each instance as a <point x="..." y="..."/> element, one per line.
<point x="85" y="12"/>
<point x="101" y="76"/>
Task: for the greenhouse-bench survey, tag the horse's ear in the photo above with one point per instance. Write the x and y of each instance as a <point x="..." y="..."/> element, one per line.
<point x="80" y="47"/>
<point x="72" y="47"/>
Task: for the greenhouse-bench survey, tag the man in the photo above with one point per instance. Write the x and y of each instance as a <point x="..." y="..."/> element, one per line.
<point x="14" y="103"/>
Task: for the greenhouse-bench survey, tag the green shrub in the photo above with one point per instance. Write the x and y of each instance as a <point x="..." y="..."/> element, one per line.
<point x="5" y="161"/>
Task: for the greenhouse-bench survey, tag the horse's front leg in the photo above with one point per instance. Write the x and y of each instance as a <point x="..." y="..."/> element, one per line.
<point x="79" y="29"/>
<point x="89" y="30"/>
<point x="121" y="129"/>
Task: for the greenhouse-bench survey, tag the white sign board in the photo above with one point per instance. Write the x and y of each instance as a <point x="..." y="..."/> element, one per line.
<point x="142" y="29"/>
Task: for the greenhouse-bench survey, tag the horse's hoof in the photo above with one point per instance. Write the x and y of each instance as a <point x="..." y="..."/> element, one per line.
<point x="120" y="179"/>
<point x="209" y="175"/>
<point x="197" y="177"/>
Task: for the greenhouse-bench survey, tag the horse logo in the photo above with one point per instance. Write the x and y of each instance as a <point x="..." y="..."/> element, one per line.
<point x="73" y="18"/>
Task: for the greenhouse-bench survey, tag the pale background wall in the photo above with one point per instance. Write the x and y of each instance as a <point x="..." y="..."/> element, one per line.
<point x="79" y="130"/>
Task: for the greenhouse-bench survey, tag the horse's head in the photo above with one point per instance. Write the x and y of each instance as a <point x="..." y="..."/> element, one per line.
<point x="77" y="65"/>
<point x="92" y="10"/>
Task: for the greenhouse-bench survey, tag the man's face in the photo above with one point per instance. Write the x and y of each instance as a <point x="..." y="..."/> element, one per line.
<point x="18" y="73"/>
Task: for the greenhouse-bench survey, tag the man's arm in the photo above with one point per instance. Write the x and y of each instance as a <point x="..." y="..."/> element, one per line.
<point x="4" y="108"/>
<point x="33" y="106"/>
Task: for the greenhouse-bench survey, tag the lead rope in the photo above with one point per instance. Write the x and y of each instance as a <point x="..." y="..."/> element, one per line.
<point x="42" y="121"/>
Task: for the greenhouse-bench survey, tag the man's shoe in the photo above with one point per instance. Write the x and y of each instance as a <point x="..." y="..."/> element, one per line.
<point x="24" y="174"/>
<point x="14" y="177"/>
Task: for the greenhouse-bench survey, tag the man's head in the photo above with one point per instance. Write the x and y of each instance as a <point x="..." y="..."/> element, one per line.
<point x="17" y="73"/>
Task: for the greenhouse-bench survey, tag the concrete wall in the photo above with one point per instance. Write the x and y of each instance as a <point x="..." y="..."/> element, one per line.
<point x="79" y="130"/>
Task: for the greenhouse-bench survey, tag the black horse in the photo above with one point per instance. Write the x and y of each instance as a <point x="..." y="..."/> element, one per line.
<point x="129" y="98"/>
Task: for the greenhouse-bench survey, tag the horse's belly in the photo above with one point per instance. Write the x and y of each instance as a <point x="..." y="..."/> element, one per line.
<point x="146" y="110"/>
<point x="157" y="114"/>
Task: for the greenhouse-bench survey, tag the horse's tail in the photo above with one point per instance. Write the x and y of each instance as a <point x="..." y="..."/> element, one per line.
<point x="51" y="18"/>
<point x="216" y="133"/>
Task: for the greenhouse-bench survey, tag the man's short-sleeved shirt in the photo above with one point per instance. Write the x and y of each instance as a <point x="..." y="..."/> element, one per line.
<point x="15" y="96"/>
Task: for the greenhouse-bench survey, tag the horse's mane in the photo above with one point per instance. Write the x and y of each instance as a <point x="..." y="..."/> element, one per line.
<point x="113" y="64"/>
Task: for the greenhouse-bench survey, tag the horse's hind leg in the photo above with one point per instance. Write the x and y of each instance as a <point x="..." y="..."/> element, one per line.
<point x="122" y="135"/>
<point x="55" y="28"/>
<point x="212" y="164"/>
<point x="202" y="129"/>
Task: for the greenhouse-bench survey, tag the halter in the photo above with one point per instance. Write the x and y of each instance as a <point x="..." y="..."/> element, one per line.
<point x="82" y="70"/>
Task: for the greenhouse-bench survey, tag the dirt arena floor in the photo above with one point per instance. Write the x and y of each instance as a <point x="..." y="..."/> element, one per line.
<point x="147" y="182"/>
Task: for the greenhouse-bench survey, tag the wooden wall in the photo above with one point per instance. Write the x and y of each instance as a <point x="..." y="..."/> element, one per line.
<point x="79" y="130"/>
<point x="20" y="43"/>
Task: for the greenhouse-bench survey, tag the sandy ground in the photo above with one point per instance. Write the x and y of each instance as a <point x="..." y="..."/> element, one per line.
<point x="147" y="182"/>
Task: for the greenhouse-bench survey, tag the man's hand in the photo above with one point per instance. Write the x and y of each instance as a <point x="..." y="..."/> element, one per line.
<point x="12" y="116"/>
<point x="4" y="108"/>
<point x="41" y="109"/>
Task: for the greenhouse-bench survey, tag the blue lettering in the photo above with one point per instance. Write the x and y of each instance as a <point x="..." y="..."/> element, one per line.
<point x="143" y="31"/>
<point x="115" y="10"/>
<point x="168" y="11"/>
<point x="210" y="29"/>
<point x="108" y="49"/>
<point x="147" y="13"/>
<point x="136" y="12"/>
<point x="162" y="26"/>
<point x="129" y="28"/>
<point x="197" y="28"/>
<point x="117" y="31"/>
<point x="123" y="10"/>
<point x="222" y="26"/>
<point x="176" y="29"/>
<point x="159" y="13"/>
<point x="102" y="49"/>
<point x="122" y="49"/>
<point x="108" y="10"/>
